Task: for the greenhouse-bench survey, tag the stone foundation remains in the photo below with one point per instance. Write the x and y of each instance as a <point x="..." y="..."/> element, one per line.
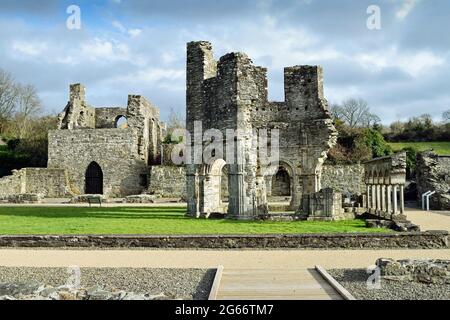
<point x="433" y="174"/>
<point x="425" y="271"/>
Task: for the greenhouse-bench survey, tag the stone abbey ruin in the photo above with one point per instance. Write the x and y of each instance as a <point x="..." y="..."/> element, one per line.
<point x="232" y="94"/>
<point x="119" y="152"/>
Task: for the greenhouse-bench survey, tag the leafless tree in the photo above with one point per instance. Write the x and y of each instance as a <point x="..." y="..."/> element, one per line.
<point x="355" y="113"/>
<point x="8" y="95"/>
<point x="446" y="116"/>
<point x="28" y="105"/>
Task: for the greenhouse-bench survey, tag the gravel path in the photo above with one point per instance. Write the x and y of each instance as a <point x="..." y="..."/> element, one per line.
<point x="354" y="280"/>
<point x="186" y="284"/>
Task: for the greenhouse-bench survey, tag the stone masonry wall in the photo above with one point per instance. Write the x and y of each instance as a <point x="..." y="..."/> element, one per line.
<point x="344" y="178"/>
<point x="398" y="240"/>
<point x="51" y="183"/>
<point x="13" y="184"/>
<point x="115" y="150"/>
<point x="171" y="180"/>
<point x="433" y="174"/>
<point x="168" y="182"/>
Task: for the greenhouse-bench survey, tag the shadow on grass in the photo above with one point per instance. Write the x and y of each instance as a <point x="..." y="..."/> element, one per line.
<point x="103" y="213"/>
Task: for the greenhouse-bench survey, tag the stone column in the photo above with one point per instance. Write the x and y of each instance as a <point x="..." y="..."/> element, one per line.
<point x="368" y="198"/>
<point x="192" y="191"/>
<point x="394" y="199"/>
<point x="402" y="199"/>
<point x="378" y="197"/>
<point x="389" y="199"/>
<point x="374" y="197"/>
<point x="383" y="198"/>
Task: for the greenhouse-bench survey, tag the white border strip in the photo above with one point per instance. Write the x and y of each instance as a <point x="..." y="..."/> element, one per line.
<point x="336" y="285"/>
<point x="216" y="284"/>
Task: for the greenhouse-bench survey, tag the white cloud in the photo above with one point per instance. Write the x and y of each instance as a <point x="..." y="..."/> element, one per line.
<point x="119" y="26"/>
<point x="406" y="8"/>
<point x="415" y="64"/>
<point x="102" y="49"/>
<point x="134" y="32"/>
<point x="30" y="48"/>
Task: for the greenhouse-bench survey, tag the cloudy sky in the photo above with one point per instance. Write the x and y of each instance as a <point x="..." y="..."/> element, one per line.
<point x="133" y="46"/>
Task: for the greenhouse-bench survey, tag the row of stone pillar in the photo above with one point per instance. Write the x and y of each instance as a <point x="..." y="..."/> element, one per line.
<point x="383" y="198"/>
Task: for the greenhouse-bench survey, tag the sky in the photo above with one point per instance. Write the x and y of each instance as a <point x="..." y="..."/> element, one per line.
<point x="127" y="47"/>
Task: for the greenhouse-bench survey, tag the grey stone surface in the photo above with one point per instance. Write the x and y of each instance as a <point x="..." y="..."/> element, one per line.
<point x="423" y="240"/>
<point x="323" y="205"/>
<point x="140" y="198"/>
<point x="400" y="226"/>
<point x="433" y="174"/>
<point x="23" y="198"/>
<point x="425" y="271"/>
<point x="47" y="182"/>
<point x="167" y="181"/>
<point x="106" y="284"/>
<point x="355" y="281"/>
<point x="344" y="178"/>
<point x="84" y="198"/>
<point x="170" y="181"/>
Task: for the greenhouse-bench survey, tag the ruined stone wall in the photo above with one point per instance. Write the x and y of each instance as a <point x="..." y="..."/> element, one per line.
<point x="115" y="150"/>
<point x="433" y="174"/>
<point x="144" y="117"/>
<point x="77" y="114"/>
<point x="13" y="184"/>
<point x="168" y="181"/>
<point x="232" y="94"/>
<point x="107" y="117"/>
<point x="344" y="178"/>
<point x="50" y="183"/>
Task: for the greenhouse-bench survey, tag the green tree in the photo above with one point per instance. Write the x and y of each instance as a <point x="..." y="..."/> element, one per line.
<point x="374" y="140"/>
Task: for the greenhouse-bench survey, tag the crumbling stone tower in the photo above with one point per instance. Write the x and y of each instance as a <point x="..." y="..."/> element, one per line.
<point x="232" y="94"/>
<point x="101" y="155"/>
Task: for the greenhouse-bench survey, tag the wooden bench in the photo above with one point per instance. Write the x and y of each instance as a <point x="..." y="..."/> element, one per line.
<point x="94" y="200"/>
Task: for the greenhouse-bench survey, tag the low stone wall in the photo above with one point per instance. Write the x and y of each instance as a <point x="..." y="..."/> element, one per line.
<point x="52" y="183"/>
<point x="13" y="184"/>
<point x="344" y="178"/>
<point x="408" y="240"/>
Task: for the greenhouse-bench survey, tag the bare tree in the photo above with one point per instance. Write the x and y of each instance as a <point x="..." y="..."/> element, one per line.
<point x="28" y="105"/>
<point x="8" y="95"/>
<point x="355" y="113"/>
<point x="175" y="120"/>
<point x="446" y="116"/>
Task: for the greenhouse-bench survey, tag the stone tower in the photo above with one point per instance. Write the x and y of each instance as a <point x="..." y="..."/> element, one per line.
<point x="231" y="94"/>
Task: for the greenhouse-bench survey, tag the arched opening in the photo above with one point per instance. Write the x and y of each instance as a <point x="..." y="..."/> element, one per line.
<point x="215" y="188"/>
<point x="121" y="122"/>
<point x="94" y="179"/>
<point x="281" y="183"/>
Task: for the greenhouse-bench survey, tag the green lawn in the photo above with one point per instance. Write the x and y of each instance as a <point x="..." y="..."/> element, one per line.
<point x="441" y="148"/>
<point x="157" y="220"/>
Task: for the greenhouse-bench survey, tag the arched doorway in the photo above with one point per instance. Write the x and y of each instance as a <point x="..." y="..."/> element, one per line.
<point x="213" y="188"/>
<point x="281" y="183"/>
<point x="94" y="179"/>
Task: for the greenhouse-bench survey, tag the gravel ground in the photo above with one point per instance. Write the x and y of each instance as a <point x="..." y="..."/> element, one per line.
<point x="186" y="284"/>
<point x="354" y="280"/>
